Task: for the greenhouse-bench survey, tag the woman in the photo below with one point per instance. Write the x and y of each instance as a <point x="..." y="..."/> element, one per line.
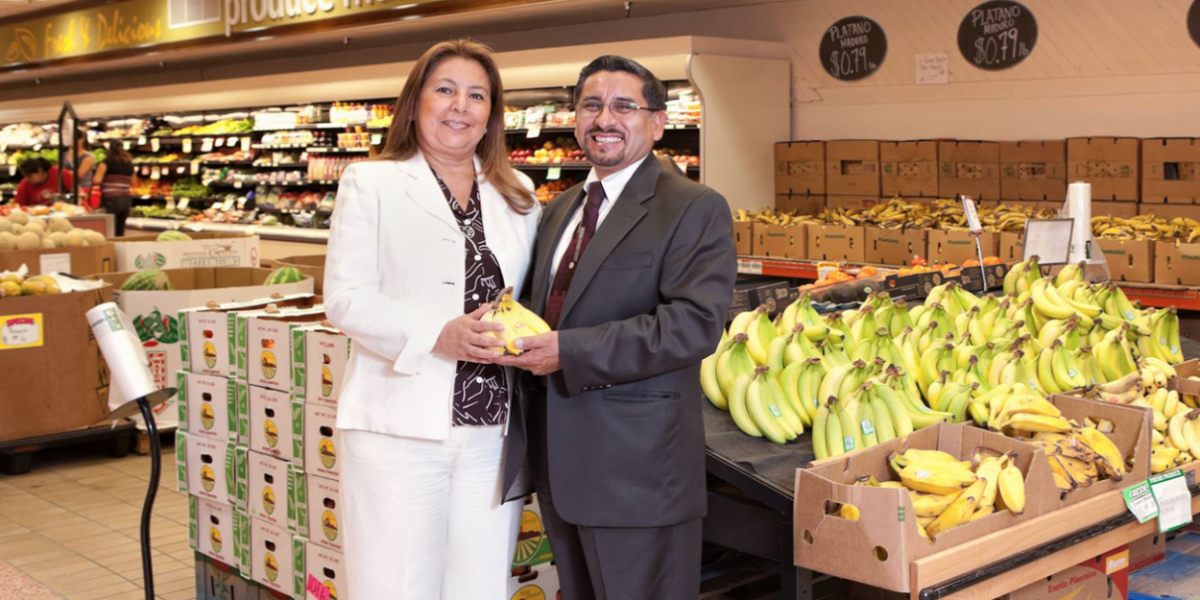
<point x="424" y="409"/>
<point x="113" y="178"/>
<point x="87" y="166"/>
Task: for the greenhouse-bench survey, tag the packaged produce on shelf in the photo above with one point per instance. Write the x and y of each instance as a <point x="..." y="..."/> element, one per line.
<point x="14" y="158"/>
<point x="221" y="127"/>
<point x="290" y="158"/>
<point x="562" y="150"/>
<point x="238" y="156"/>
<point x="292" y="138"/>
<point x="684" y="110"/>
<point x="329" y="168"/>
<point x="125" y="128"/>
<point x="26" y="134"/>
<point x="551" y="189"/>
<point x="350" y="112"/>
<point x="360" y="139"/>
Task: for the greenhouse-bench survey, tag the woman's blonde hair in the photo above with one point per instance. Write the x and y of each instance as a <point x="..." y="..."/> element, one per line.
<point x="401" y="141"/>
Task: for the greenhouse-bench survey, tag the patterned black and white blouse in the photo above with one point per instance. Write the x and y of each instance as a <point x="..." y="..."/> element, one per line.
<point x="480" y="391"/>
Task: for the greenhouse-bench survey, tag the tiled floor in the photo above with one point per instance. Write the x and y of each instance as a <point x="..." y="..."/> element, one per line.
<point x="73" y="524"/>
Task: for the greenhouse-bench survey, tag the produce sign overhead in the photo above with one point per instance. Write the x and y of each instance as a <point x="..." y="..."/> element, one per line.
<point x="997" y="35"/>
<point x="853" y="48"/>
<point x="141" y="25"/>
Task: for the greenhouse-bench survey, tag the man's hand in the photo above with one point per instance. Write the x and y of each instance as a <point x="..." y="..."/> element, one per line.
<point x="540" y="355"/>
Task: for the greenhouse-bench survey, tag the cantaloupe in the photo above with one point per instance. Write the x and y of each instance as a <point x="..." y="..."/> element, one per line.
<point x="29" y="241"/>
<point x="92" y="238"/>
<point x="60" y="224"/>
<point x="18" y="217"/>
<point x="74" y="238"/>
<point x="36" y="225"/>
<point x="5" y="225"/>
<point x="59" y="238"/>
<point x="8" y="241"/>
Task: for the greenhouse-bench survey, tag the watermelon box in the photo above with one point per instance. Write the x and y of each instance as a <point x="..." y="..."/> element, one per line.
<point x="207" y="406"/>
<point x="210" y="529"/>
<point x="323" y="576"/>
<point x="264" y="352"/>
<point x="272" y="556"/>
<point x="206" y="333"/>
<point x="155" y="315"/>
<point x="319" y="357"/>
<point x="211" y="469"/>
<point x="316" y="439"/>
<point x="135" y="253"/>
<point x="269" y="491"/>
<point x="318" y="502"/>
<point x="265" y="420"/>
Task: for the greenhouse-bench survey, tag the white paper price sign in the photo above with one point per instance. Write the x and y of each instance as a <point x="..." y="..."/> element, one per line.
<point x="219" y="142"/>
<point x="750" y="267"/>
<point x="241" y="202"/>
<point x="233" y="141"/>
<point x="206" y="145"/>
<point x="534" y="131"/>
<point x="12" y="170"/>
<point x="127" y="144"/>
<point x="141" y="140"/>
<point x="180" y="170"/>
<point x="553" y="173"/>
<point x="376" y="139"/>
<point x="155" y="144"/>
<point x="155" y="173"/>
<point x="1141" y="502"/>
<point x="228" y="205"/>
<point x="171" y="202"/>
<point x="187" y="145"/>
<point x="972" y="216"/>
<point x="246" y="144"/>
<point x="195" y="167"/>
<point x="183" y="204"/>
<point x="37" y="147"/>
<point x="237" y="185"/>
<point x="1173" y="498"/>
<point x="145" y="171"/>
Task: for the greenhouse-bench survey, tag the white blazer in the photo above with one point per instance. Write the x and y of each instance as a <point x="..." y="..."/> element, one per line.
<point x="394" y="276"/>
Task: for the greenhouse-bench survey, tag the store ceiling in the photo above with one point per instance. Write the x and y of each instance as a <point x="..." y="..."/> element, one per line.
<point x="390" y="41"/>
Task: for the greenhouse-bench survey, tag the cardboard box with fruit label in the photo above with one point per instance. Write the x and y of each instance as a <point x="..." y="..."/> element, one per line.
<point x="321" y="574"/>
<point x="1171" y="171"/>
<point x="264" y="338"/>
<point x="1033" y="170"/>
<point x="743" y="237"/>
<point x="1176" y="263"/>
<point x="1011" y="247"/>
<point x="211" y="469"/>
<point x="1131" y="260"/>
<point x="535" y="584"/>
<point x="835" y="242"/>
<point x="800" y="205"/>
<point x="208" y="343"/>
<point x="852" y="168"/>
<point x="155" y="315"/>
<point x="268" y="494"/>
<point x="273" y="552"/>
<point x="1105" y="576"/>
<point x="319" y="510"/>
<point x="137" y="253"/>
<point x="1110" y="165"/>
<point x="969" y="168"/>
<point x="208" y="406"/>
<point x="800" y="168"/>
<point x="210" y="529"/>
<point x="317" y="439"/>
<point x="82" y="261"/>
<point x="266" y="420"/>
<point x="910" y="169"/>
<point x="533" y="543"/>
<point x="319" y="357"/>
<point x="894" y="246"/>
<point x="957" y="247"/>
<point x="885" y="533"/>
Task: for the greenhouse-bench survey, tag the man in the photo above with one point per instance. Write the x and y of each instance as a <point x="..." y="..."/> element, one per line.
<point x="40" y="183"/>
<point x="634" y="272"/>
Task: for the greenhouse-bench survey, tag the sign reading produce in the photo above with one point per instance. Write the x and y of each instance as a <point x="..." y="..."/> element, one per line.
<point x="997" y="35"/>
<point x="141" y="24"/>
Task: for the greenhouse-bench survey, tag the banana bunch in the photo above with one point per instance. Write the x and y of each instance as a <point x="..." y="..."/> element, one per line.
<point x="947" y="492"/>
<point x="1080" y="457"/>
<point x="878" y="411"/>
<point x="1145" y="227"/>
<point x="770" y="217"/>
<point x="518" y="321"/>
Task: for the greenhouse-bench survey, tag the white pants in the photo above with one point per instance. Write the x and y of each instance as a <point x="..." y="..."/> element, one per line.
<point x="423" y="518"/>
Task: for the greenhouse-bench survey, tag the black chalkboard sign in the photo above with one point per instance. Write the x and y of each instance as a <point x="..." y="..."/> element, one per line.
<point x="1194" y="22"/>
<point x="997" y="35"/>
<point x="853" y="48"/>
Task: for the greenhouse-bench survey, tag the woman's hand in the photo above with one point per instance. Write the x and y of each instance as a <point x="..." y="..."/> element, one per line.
<point x="463" y="339"/>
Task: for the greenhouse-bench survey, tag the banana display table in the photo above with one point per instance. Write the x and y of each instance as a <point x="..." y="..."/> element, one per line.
<point x="756" y="519"/>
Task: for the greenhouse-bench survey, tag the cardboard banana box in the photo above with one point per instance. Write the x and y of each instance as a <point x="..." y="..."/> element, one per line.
<point x="879" y="548"/>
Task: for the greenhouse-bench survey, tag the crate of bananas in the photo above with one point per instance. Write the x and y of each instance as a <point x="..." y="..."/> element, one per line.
<point x="956" y="482"/>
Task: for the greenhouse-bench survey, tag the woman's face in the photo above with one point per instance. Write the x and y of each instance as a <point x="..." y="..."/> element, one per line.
<point x="454" y="107"/>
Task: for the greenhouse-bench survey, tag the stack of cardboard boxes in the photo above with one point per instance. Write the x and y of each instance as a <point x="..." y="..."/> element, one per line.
<point x="257" y="446"/>
<point x="1129" y="176"/>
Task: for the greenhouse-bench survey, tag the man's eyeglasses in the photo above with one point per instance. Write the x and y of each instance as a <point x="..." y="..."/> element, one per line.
<point x="592" y="108"/>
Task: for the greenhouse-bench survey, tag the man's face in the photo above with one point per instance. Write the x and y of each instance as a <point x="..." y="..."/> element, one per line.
<point x="612" y="141"/>
<point x="37" y="177"/>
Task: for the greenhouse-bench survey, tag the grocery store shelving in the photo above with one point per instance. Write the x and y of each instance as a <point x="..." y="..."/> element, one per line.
<point x="250" y="184"/>
<point x="286" y="234"/>
<point x="298" y="165"/>
<point x="335" y="150"/>
<point x="525" y="130"/>
<point x="777" y="267"/>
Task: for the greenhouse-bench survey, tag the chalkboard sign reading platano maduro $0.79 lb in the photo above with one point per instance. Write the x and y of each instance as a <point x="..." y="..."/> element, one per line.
<point x="1193" y="21"/>
<point x="997" y="35"/>
<point x="853" y="48"/>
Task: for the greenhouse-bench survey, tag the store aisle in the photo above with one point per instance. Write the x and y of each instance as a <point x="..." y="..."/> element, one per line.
<point x="72" y="524"/>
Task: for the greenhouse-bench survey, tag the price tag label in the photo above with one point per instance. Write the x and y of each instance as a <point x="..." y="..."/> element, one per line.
<point x="187" y="145"/>
<point x="376" y="139"/>
<point x="127" y="145"/>
<point x="206" y="145"/>
<point x="91" y="136"/>
<point x="237" y="184"/>
<point x="12" y="170"/>
<point x="195" y="167"/>
<point x="141" y="140"/>
<point x="1174" y="500"/>
<point x="155" y="144"/>
<point x="750" y="267"/>
<point x="55" y="263"/>
<point x="155" y="173"/>
<point x="219" y="142"/>
<point x="682" y="166"/>
<point x="196" y="227"/>
<point x="534" y="131"/>
<point x="171" y="202"/>
<point x="553" y="173"/>
<point x="21" y="331"/>
<point x="145" y="171"/>
<point x="972" y="216"/>
<point x="233" y="141"/>
<point x="1140" y="502"/>
<point x="228" y="205"/>
<point x="241" y="202"/>
<point x="37" y="147"/>
<point x="183" y="204"/>
<point x="180" y="170"/>
<point x="246" y="144"/>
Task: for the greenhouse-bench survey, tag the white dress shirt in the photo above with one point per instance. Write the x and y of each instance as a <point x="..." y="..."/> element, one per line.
<point x="614" y="185"/>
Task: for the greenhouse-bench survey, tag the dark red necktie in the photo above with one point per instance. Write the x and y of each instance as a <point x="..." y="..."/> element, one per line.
<point x="570" y="259"/>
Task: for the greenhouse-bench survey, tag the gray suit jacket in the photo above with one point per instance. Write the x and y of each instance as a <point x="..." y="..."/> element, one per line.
<point x="647" y="304"/>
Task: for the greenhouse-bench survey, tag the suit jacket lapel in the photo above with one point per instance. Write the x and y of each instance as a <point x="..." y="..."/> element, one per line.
<point x="424" y="190"/>
<point x="555" y="226"/>
<point x="624" y="215"/>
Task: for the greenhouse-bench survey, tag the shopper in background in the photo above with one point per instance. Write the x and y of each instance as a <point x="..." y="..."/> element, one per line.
<point x="632" y="271"/>
<point x="40" y="183"/>
<point x="111" y="185"/>
<point x="86" y="171"/>
<point x="424" y="406"/>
